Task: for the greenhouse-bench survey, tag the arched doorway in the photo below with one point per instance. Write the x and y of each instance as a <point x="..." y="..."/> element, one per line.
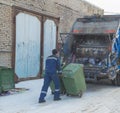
<point x="27" y="47"/>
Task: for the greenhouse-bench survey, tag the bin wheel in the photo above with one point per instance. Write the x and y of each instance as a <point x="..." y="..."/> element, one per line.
<point x="80" y="94"/>
<point x="67" y="94"/>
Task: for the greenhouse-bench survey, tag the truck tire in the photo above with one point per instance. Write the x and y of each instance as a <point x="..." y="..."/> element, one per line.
<point x="116" y="81"/>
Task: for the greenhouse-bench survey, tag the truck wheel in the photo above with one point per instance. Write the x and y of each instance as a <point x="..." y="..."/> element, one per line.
<point x="116" y="81"/>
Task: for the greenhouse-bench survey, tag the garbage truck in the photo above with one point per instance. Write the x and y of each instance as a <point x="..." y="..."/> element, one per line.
<point x="94" y="42"/>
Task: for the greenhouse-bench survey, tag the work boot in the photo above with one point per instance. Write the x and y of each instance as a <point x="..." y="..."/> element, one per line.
<point x="57" y="99"/>
<point x="41" y="101"/>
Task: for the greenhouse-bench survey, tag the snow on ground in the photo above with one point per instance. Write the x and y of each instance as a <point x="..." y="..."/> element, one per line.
<point x="99" y="98"/>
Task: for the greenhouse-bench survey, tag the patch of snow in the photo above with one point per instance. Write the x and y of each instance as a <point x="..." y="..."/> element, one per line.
<point x="97" y="99"/>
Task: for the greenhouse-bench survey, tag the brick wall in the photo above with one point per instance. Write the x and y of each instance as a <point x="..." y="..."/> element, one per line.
<point x="5" y="35"/>
<point x="66" y="10"/>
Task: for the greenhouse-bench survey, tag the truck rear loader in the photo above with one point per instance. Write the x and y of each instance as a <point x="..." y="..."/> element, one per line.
<point x="92" y="42"/>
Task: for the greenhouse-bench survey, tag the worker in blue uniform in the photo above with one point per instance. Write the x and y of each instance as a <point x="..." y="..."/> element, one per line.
<point x="51" y="67"/>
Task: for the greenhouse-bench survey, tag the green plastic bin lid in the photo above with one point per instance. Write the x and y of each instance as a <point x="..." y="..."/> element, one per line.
<point x="71" y="68"/>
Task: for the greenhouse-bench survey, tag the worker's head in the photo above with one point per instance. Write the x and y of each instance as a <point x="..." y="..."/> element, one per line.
<point x="54" y="51"/>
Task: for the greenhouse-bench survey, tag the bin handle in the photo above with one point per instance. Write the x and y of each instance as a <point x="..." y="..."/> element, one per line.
<point x="67" y="71"/>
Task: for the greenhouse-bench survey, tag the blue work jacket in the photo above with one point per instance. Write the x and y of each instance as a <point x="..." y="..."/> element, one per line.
<point x="52" y="64"/>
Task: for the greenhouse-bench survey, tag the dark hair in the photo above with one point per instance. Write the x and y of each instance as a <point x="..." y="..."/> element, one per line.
<point x="54" y="51"/>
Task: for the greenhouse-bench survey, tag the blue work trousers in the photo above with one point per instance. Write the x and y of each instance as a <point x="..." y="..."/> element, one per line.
<point x="47" y="80"/>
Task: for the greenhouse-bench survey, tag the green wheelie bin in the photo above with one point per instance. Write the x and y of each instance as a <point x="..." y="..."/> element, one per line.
<point x="6" y="79"/>
<point x="74" y="80"/>
<point x="0" y="90"/>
